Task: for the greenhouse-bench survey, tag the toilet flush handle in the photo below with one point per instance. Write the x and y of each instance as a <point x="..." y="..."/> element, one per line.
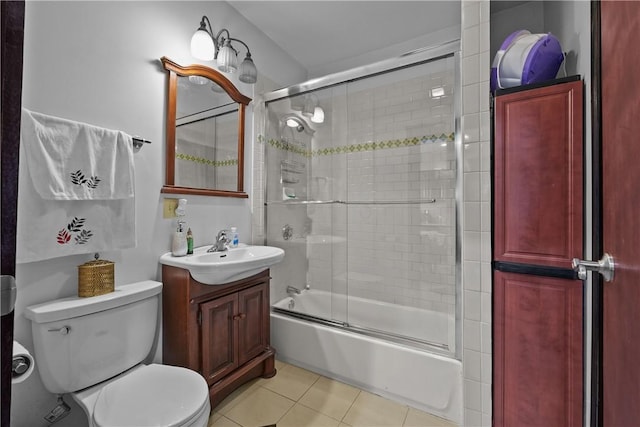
<point x="63" y="331"/>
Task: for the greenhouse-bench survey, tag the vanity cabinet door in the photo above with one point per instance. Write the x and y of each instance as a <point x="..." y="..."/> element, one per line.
<point x="219" y="337"/>
<point x="253" y="322"/>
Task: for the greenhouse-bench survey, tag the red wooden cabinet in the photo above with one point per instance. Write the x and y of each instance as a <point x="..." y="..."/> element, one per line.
<point x="537" y="350"/>
<point x="538" y="229"/>
<point x="221" y="331"/>
<point x="538" y="175"/>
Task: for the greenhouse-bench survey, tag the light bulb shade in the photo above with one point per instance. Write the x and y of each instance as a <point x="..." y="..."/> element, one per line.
<point x="227" y="60"/>
<point x="248" y="71"/>
<point x="202" y="46"/>
<point x="198" y="80"/>
<point x="318" y="115"/>
<point x="308" y="108"/>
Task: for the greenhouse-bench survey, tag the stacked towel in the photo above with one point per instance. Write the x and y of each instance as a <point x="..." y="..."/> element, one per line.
<point x="76" y="189"/>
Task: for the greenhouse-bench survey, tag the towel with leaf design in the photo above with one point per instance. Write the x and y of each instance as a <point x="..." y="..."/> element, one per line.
<point x="72" y="203"/>
<point x="77" y="161"/>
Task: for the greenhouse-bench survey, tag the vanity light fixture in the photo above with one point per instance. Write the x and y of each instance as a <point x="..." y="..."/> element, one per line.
<point x="206" y="46"/>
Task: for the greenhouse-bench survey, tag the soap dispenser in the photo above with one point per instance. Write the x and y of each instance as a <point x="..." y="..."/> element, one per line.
<point x="179" y="244"/>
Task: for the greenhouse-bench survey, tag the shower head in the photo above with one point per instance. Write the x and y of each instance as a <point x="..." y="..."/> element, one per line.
<point x="294" y="123"/>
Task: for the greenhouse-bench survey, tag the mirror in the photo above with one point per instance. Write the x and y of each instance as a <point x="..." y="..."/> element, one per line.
<point x="205" y="132"/>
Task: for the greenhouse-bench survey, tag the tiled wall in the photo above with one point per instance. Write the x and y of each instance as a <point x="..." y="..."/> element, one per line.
<point x="476" y="241"/>
<point x="204" y="166"/>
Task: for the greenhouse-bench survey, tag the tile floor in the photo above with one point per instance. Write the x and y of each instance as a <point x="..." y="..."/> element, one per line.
<point x="296" y="397"/>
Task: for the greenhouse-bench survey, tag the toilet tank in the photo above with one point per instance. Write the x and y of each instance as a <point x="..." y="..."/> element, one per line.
<point x="80" y="342"/>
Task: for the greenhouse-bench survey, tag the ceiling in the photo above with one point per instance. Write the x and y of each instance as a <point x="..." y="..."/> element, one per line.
<point x="322" y="32"/>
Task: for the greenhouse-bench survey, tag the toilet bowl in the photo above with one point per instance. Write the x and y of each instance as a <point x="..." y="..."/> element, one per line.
<point x="93" y="349"/>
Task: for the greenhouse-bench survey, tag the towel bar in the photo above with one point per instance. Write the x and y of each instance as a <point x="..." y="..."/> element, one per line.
<point x="137" y="142"/>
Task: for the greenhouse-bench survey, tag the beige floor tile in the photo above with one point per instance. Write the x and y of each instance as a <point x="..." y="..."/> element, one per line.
<point x="416" y="418"/>
<point x="280" y="365"/>
<point x="301" y="416"/>
<point x="261" y="407"/>
<point x="222" y="421"/>
<point x="330" y="397"/>
<point x="374" y="411"/>
<point x="213" y="417"/>
<point x="236" y="397"/>
<point x="291" y="382"/>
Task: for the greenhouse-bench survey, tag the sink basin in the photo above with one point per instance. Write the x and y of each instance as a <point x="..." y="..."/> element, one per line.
<point x="218" y="268"/>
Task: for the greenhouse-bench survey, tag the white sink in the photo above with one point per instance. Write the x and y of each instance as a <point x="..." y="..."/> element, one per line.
<point x="218" y="268"/>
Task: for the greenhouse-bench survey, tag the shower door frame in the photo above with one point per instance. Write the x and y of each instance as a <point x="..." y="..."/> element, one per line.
<point x="414" y="58"/>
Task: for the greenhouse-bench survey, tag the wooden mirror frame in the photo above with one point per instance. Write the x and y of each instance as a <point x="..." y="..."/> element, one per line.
<point x="176" y="70"/>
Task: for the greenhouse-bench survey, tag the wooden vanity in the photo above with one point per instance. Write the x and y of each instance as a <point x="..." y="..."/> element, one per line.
<point x="220" y="331"/>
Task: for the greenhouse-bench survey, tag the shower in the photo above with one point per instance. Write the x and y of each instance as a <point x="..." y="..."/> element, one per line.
<point x="368" y="198"/>
<point x="365" y="205"/>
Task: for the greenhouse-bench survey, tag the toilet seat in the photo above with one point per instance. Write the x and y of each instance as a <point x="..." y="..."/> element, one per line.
<point x="153" y="395"/>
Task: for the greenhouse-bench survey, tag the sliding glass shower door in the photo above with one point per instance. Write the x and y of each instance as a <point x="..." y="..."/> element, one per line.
<point x="364" y="202"/>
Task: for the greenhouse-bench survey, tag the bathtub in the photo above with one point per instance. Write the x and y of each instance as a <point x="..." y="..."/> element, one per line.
<point x="417" y="377"/>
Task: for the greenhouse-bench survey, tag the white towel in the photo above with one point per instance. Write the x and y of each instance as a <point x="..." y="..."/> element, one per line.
<point x="77" y="161"/>
<point x="49" y="228"/>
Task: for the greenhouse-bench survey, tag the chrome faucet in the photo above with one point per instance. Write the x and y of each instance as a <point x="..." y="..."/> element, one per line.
<point x="222" y="240"/>
<point x="292" y="290"/>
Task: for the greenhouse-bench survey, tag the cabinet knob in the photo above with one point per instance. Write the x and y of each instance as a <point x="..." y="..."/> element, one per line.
<point x="239" y="316"/>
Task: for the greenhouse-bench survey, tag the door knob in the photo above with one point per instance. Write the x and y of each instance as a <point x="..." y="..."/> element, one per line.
<point x="605" y="266"/>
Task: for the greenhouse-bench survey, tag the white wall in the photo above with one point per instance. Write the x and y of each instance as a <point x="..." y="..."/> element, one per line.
<point x="526" y="16"/>
<point x="97" y="62"/>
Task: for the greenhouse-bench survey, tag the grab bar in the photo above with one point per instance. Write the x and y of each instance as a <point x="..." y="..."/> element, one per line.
<point x="352" y="202"/>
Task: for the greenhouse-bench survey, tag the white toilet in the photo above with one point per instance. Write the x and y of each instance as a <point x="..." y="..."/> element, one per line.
<point x="93" y="347"/>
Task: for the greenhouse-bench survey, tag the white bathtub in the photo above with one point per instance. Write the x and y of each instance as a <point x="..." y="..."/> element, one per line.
<point x="427" y="381"/>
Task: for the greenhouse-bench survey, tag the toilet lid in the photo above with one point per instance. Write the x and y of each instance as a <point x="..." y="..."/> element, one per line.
<point x="155" y="395"/>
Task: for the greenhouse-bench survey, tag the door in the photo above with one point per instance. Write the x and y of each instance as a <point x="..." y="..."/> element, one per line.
<point x="538" y="229"/>
<point x="12" y="35"/>
<point x="219" y="337"/>
<point x="620" y="127"/>
<point x="253" y="322"/>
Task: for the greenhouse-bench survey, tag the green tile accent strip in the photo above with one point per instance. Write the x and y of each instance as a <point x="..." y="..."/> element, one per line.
<point x="205" y="161"/>
<point x="361" y="147"/>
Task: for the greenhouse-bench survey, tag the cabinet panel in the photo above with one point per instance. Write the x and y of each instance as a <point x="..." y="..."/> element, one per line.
<point x="219" y="337"/>
<point x="221" y="331"/>
<point x="537" y="347"/>
<point x="538" y="182"/>
<point x="253" y="308"/>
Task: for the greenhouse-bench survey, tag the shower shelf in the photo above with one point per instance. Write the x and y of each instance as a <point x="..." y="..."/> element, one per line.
<point x="352" y="202"/>
<point x="290" y="170"/>
<point x="290" y="181"/>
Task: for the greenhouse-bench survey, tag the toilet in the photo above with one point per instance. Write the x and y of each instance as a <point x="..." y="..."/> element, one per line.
<point x="93" y="349"/>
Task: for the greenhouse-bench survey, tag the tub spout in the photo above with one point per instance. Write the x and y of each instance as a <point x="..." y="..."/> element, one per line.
<point x="293" y="290"/>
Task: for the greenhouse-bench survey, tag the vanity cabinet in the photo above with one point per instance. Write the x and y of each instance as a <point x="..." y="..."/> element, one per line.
<point x="221" y="331"/>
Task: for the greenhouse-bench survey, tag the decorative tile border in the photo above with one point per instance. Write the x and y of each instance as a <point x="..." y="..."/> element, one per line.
<point x="205" y="161"/>
<point x="356" y="148"/>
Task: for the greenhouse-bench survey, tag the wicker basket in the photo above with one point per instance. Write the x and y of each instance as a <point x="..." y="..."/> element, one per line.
<point x="95" y="278"/>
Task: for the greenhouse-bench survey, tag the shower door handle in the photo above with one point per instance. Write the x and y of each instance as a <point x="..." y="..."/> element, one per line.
<point x="606" y="267"/>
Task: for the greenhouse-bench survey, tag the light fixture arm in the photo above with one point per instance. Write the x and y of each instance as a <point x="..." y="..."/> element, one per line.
<point x="242" y="43"/>
<point x="218" y="39"/>
<point x="223" y="51"/>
